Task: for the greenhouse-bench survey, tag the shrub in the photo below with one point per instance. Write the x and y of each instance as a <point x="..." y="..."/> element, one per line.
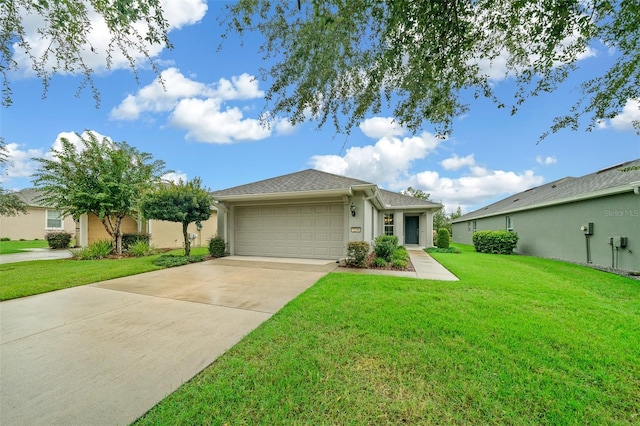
<point x="400" y="253"/>
<point x="357" y="252"/>
<point x="58" y="240"/>
<point x="139" y="249"/>
<point x="171" y="260"/>
<point x="399" y="263"/>
<point x="384" y="246"/>
<point x="443" y="238"/>
<point x="130" y="239"/>
<point x="217" y="247"/>
<point x="378" y="262"/>
<point x="5" y="239"/>
<point x="96" y="250"/>
<point x="496" y="242"/>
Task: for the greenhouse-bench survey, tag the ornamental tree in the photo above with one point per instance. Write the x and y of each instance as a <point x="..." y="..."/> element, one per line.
<point x="342" y="60"/>
<point x="10" y="203"/>
<point x="102" y="177"/>
<point x="181" y="202"/>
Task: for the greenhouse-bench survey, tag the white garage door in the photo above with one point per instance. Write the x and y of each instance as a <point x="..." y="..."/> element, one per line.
<point x="295" y="230"/>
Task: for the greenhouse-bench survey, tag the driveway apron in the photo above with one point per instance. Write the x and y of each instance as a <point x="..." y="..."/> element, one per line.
<point x="104" y="354"/>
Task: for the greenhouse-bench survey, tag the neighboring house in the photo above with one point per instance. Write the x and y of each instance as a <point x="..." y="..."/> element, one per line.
<point x="591" y="219"/>
<point x="38" y="221"/>
<point x="313" y="214"/>
<point x="88" y="229"/>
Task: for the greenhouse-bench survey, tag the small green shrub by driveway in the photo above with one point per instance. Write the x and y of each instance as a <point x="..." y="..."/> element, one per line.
<point x="357" y="252"/>
<point x="58" y="239"/>
<point x="217" y="247"/>
<point x="384" y="246"/>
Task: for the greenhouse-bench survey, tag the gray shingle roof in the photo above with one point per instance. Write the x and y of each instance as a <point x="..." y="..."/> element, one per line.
<point x="306" y="180"/>
<point x="563" y="190"/>
<point x="31" y="197"/>
<point x="315" y="180"/>
<point x="394" y="199"/>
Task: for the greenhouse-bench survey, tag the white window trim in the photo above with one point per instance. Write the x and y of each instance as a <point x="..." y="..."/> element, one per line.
<point x="392" y="225"/>
<point x="509" y="223"/>
<point x="46" y="221"/>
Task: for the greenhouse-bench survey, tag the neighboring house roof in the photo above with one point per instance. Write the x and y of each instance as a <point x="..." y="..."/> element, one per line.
<point x="612" y="180"/>
<point x="31" y="197"/>
<point x="311" y="183"/>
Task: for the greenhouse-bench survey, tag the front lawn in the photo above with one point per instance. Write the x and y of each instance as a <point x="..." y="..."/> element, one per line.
<point x="9" y="247"/>
<point x="517" y="340"/>
<point x="40" y="276"/>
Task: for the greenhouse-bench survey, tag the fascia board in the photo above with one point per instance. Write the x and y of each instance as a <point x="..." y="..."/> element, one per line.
<point x="284" y="195"/>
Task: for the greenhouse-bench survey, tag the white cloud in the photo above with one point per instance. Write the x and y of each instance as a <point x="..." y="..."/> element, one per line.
<point x="178" y="13"/>
<point x="386" y="161"/>
<point x="175" y="177"/>
<point x="205" y="121"/>
<point x="244" y="86"/>
<point x="19" y="162"/>
<point x="456" y="163"/>
<point x="546" y="161"/>
<point x="158" y="97"/>
<point x="75" y="139"/>
<point x="379" y="127"/>
<point x="630" y="114"/>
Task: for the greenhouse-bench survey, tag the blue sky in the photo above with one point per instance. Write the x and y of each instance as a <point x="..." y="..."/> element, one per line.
<point x="206" y="124"/>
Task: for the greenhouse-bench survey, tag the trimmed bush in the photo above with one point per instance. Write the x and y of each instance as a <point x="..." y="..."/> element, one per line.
<point x="378" y="262"/>
<point x="443" y="238"/>
<point x="58" y="240"/>
<point x="400" y="253"/>
<point x="357" y="252"/>
<point x="5" y="239"/>
<point x="399" y="263"/>
<point x="217" y="247"/>
<point x="496" y="242"/>
<point x="132" y="238"/>
<point x="385" y="245"/>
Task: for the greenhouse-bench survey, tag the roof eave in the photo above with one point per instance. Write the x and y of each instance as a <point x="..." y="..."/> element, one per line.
<point x="284" y="195"/>
<point x="586" y="196"/>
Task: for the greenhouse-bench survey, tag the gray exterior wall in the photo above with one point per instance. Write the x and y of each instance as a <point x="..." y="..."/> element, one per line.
<point x="554" y="231"/>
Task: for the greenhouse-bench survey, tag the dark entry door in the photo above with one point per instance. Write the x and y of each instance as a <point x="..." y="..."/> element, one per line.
<point x="411" y="230"/>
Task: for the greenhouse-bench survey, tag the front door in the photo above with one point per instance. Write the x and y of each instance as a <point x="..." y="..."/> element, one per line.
<point x="411" y="230"/>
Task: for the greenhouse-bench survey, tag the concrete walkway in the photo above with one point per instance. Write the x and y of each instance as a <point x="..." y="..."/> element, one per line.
<point x="104" y="354"/>
<point x="35" y="254"/>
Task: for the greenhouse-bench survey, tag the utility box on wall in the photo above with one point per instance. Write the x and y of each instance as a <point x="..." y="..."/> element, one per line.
<point x="587" y="229"/>
<point x="618" y="242"/>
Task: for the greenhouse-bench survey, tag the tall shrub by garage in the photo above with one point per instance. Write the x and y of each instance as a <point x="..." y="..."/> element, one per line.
<point x="443" y="238"/>
<point x="496" y="242"/>
<point x="58" y="240"/>
<point x="384" y="246"/>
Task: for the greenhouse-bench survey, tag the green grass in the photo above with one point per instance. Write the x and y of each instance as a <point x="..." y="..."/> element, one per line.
<point x="10" y="247"/>
<point x="517" y="340"/>
<point x="40" y="276"/>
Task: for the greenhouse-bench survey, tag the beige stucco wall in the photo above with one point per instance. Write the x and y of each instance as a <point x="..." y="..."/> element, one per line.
<point x="96" y="231"/>
<point x="166" y="234"/>
<point x="31" y="225"/>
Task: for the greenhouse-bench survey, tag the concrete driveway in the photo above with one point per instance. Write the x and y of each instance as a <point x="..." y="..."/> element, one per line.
<point x="104" y="354"/>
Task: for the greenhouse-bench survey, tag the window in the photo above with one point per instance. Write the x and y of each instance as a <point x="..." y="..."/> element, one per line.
<point x="468" y="226"/>
<point x="388" y="224"/>
<point x="475" y="226"/>
<point x="509" y="224"/>
<point x="54" y="219"/>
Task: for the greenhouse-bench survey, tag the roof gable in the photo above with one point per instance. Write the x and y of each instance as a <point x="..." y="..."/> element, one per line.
<point x="395" y="199"/>
<point x="306" y="180"/>
<point x="564" y="190"/>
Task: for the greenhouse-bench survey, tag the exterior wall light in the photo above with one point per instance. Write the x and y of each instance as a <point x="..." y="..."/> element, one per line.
<point x="353" y="209"/>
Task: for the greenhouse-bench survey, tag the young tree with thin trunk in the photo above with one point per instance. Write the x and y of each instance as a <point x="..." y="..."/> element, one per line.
<point x="102" y="177"/>
<point x="181" y="202"/>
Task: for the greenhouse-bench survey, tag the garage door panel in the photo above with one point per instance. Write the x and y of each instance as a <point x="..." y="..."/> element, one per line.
<point x="305" y="230"/>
